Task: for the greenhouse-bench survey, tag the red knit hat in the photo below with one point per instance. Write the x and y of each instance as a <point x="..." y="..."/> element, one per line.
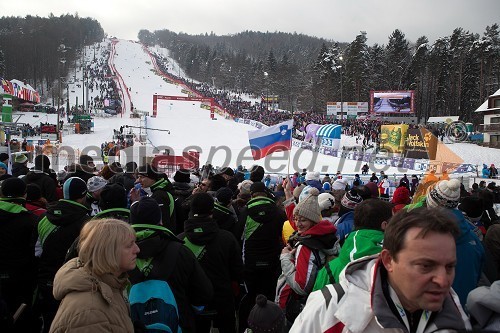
<point x="401" y="196"/>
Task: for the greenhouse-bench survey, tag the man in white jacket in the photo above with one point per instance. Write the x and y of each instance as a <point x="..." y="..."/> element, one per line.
<point x="405" y="288"/>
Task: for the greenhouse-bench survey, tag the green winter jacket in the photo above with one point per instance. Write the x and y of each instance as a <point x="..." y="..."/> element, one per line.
<point x="358" y="244"/>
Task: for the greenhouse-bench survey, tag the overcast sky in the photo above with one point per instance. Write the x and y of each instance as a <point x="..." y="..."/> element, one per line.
<point x="339" y="20"/>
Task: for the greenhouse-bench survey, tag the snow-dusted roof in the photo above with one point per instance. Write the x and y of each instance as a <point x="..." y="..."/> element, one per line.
<point x="22" y="84"/>
<point x="484" y="106"/>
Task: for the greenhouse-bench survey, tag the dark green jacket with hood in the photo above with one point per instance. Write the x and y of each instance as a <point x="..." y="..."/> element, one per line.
<point x="219" y="254"/>
<point x="45" y="180"/>
<point x="56" y="232"/>
<point x="17" y="238"/>
<point x="260" y="225"/>
<point x="161" y="192"/>
<point x="225" y="217"/>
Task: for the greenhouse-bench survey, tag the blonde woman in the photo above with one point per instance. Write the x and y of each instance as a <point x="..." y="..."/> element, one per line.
<point x="91" y="286"/>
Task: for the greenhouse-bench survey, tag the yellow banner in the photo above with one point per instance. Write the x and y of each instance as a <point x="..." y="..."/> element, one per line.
<point x="392" y="137"/>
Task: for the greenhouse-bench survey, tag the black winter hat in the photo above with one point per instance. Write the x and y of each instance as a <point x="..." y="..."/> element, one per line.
<point x="113" y="196"/>
<point x="256" y="173"/>
<point x="364" y="192"/>
<point x="473" y="207"/>
<point x="42" y="162"/>
<point x="258" y="187"/>
<point x="182" y="176"/>
<point x="227" y="171"/>
<point x="216" y="182"/>
<point x="266" y="316"/>
<point x="130" y="167"/>
<point x="149" y="171"/>
<point x="4" y="157"/>
<point x="13" y="187"/>
<point x="33" y="192"/>
<point x="145" y="211"/>
<point x="86" y="159"/>
<point x="202" y="204"/>
<point x="116" y="167"/>
<point x="74" y="188"/>
<point x="224" y="195"/>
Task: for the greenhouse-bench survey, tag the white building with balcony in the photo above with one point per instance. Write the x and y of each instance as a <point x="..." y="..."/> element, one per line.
<point x="491" y="123"/>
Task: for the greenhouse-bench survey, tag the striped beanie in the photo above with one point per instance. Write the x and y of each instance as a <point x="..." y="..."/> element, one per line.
<point x="74" y="188"/>
<point x="351" y="199"/>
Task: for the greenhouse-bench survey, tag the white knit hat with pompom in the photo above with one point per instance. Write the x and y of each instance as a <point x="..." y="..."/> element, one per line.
<point x="446" y="193"/>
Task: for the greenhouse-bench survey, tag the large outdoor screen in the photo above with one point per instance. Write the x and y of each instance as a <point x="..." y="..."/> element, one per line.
<point x="391" y="101"/>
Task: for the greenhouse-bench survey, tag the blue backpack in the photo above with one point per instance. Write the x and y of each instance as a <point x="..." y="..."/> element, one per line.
<point x="152" y="303"/>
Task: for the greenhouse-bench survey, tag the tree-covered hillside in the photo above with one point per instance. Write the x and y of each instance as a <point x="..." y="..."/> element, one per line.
<point x="451" y="76"/>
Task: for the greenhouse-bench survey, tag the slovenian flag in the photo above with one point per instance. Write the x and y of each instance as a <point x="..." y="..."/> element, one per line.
<point x="268" y="140"/>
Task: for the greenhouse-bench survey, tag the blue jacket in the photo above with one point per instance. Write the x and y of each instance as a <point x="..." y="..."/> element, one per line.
<point x="345" y="224"/>
<point x="486" y="172"/>
<point x="470" y="258"/>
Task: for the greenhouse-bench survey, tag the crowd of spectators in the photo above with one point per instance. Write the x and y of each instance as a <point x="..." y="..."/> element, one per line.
<point x="279" y="243"/>
<point x="99" y="77"/>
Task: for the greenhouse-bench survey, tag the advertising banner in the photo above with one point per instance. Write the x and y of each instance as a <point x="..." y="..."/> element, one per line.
<point x="408" y="163"/>
<point x="420" y="144"/>
<point x="392" y="137"/>
<point x="348" y="108"/>
<point x="6" y="107"/>
<point x="48" y="128"/>
<point x="397" y="162"/>
<point x="49" y="136"/>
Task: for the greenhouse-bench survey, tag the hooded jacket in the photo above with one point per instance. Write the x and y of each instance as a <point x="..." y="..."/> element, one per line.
<point x="56" y="232"/>
<point x="90" y="303"/>
<point x="46" y="183"/>
<point x="219" y="255"/>
<point x="358" y="244"/>
<point x="17" y="238"/>
<point x="19" y="169"/>
<point x="484" y="307"/>
<point x="485" y="172"/>
<point x="160" y="191"/>
<point x="122" y="214"/>
<point x="189" y="283"/>
<point x="364" y="308"/>
<point x="299" y="271"/>
<point x="262" y="222"/>
<point x="181" y="191"/>
<point x="17" y="263"/>
<point x="225" y="217"/>
<point x="470" y="258"/>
